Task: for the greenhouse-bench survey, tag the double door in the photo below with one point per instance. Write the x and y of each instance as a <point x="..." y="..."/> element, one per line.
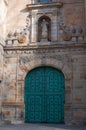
<point x="44" y="95"/>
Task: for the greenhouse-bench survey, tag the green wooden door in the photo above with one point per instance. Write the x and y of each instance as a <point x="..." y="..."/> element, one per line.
<point x="44" y="95"/>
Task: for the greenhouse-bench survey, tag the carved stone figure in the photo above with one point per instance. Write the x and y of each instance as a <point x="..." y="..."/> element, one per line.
<point x="44" y="34"/>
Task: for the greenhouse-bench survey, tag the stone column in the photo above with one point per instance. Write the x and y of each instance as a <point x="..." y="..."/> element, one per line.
<point x="33" y="30"/>
<point x="54" y="29"/>
<point x="1" y="77"/>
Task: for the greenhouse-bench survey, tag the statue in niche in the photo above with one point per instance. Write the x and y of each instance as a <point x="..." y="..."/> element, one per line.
<point x="44" y="30"/>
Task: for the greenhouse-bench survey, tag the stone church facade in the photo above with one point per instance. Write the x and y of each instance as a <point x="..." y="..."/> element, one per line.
<point x="53" y="34"/>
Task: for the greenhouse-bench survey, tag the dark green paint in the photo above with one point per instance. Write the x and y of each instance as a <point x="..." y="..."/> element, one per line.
<point x="44" y="95"/>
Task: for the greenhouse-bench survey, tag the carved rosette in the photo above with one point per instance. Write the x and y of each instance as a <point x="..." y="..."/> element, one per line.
<point x="66" y="36"/>
<point x="21" y="39"/>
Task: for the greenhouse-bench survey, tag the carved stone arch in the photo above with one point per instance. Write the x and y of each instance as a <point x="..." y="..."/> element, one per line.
<point x="58" y="64"/>
<point x="48" y="20"/>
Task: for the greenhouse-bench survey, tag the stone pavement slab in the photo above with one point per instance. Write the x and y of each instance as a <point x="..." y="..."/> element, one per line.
<point x="40" y="126"/>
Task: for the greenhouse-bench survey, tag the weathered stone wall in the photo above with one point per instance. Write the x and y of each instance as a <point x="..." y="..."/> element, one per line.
<point x="66" y="51"/>
<point x="74" y="13"/>
<point x="1" y="77"/>
<point x="17" y="63"/>
<point x="12" y="91"/>
<point x="16" y="15"/>
<point x="79" y="87"/>
<point x="85" y="10"/>
<point x="3" y="11"/>
<point x="67" y="22"/>
<point x="71" y="15"/>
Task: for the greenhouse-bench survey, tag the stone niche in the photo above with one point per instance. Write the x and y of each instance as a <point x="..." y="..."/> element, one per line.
<point x="47" y="12"/>
<point x="44" y="29"/>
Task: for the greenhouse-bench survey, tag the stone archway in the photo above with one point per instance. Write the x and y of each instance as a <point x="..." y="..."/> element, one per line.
<point x="64" y="68"/>
<point x="58" y="64"/>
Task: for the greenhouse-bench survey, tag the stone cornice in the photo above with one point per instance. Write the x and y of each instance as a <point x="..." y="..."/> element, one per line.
<point x="17" y="104"/>
<point x="75" y="106"/>
<point x="58" y="46"/>
<point x="44" y="5"/>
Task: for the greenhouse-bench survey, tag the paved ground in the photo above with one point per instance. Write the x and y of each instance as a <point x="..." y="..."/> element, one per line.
<point x="41" y="127"/>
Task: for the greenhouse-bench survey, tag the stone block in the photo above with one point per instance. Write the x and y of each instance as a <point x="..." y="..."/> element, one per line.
<point x="78" y="100"/>
<point x="17" y="122"/>
<point x="11" y="99"/>
<point x="10" y="42"/>
<point x="7" y="122"/>
<point x="80" y="38"/>
<point x="74" y="39"/>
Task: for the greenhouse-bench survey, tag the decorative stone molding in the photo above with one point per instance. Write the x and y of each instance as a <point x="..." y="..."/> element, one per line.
<point x="13" y="104"/>
<point x="17" y="37"/>
<point x="22" y="39"/>
<point x="74" y="33"/>
<point x="42" y="61"/>
<point x="66" y="36"/>
<point x="53" y="4"/>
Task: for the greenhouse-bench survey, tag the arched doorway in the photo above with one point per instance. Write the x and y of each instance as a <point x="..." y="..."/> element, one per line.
<point x="44" y="95"/>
